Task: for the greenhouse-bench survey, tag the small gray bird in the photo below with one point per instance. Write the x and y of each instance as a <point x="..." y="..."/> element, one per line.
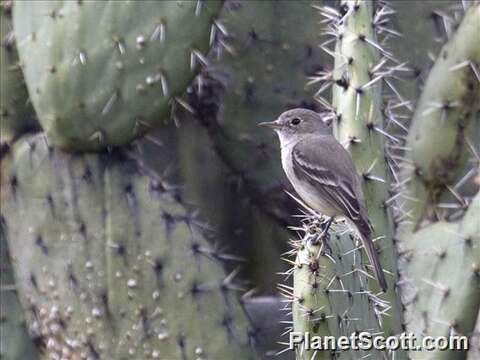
<point x="323" y="174"/>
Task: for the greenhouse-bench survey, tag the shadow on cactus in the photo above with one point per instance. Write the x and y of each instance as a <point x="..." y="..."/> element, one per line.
<point x="260" y="73"/>
<point x="16" y="112"/>
<point x="15" y="341"/>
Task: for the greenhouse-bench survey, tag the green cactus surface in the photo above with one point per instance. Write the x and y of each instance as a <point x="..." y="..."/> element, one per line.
<point x="261" y="73"/>
<point x="122" y="239"/>
<point x="440" y="263"/>
<point x="442" y="277"/>
<point x="16" y="112"/>
<point x="331" y="295"/>
<point x="15" y="342"/>
<point x="110" y="265"/>
<point x="358" y="125"/>
<point x="474" y="351"/>
<point x="101" y="73"/>
<point x="446" y="114"/>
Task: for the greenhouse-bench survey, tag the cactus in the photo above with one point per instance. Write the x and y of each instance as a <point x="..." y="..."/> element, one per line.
<point x="246" y="223"/>
<point x="331" y="294"/>
<point x="446" y="114"/>
<point x="442" y="276"/>
<point x="474" y="351"/>
<point x="108" y="262"/>
<point x="357" y="112"/>
<point x="268" y="315"/>
<point x="359" y="125"/>
<point x="15" y="342"/>
<point x="260" y="74"/>
<point x="110" y="265"/>
<point x="16" y="113"/>
<point x="110" y="82"/>
<point x="441" y="273"/>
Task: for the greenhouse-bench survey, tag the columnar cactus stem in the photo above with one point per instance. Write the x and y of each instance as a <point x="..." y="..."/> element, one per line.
<point x="330" y="290"/>
<point x="442" y="124"/>
<point x="358" y="125"/>
<point x="310" y="305"/>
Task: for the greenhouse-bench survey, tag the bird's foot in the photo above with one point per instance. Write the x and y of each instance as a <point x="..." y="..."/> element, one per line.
<point x="320" y="231"/>
<point x="325" y="227"/>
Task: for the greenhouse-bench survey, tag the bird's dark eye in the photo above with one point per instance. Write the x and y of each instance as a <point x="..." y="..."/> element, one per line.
<point x="295" y="121"/>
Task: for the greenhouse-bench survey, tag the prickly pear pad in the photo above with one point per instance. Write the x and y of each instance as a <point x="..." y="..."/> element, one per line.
<point x="110" y="265"/>
<point x="101" y="73"/>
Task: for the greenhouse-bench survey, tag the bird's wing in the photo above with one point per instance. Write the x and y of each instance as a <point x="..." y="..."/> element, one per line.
<point x="326" y="165"/>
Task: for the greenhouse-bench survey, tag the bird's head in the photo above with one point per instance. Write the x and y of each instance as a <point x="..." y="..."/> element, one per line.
<point x="298" y="123"/>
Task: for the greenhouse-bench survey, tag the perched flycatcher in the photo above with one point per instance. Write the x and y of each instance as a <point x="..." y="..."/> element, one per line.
<point x="323" y="174"/>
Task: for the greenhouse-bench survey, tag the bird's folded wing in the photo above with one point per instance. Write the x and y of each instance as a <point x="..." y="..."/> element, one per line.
<point x="328" y="174"/>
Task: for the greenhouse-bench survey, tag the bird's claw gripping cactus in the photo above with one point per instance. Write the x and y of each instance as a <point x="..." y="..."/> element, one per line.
<point x="112" y="81"/>
<point x="110" y="265"/>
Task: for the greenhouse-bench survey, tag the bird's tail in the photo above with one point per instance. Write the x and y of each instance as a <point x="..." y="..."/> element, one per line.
<point x="365" y="233"/>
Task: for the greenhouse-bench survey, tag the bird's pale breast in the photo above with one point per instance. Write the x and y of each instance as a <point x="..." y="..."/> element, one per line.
<point x="307" y="192"/>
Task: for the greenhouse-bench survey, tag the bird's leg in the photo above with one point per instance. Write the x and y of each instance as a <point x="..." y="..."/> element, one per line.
<point x="324" y="226"/>
<point x="325" y="236"/>
<point x="327" y="226"/>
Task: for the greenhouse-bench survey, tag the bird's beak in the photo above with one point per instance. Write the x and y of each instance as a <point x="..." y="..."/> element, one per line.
<point x="272" y="124"/>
